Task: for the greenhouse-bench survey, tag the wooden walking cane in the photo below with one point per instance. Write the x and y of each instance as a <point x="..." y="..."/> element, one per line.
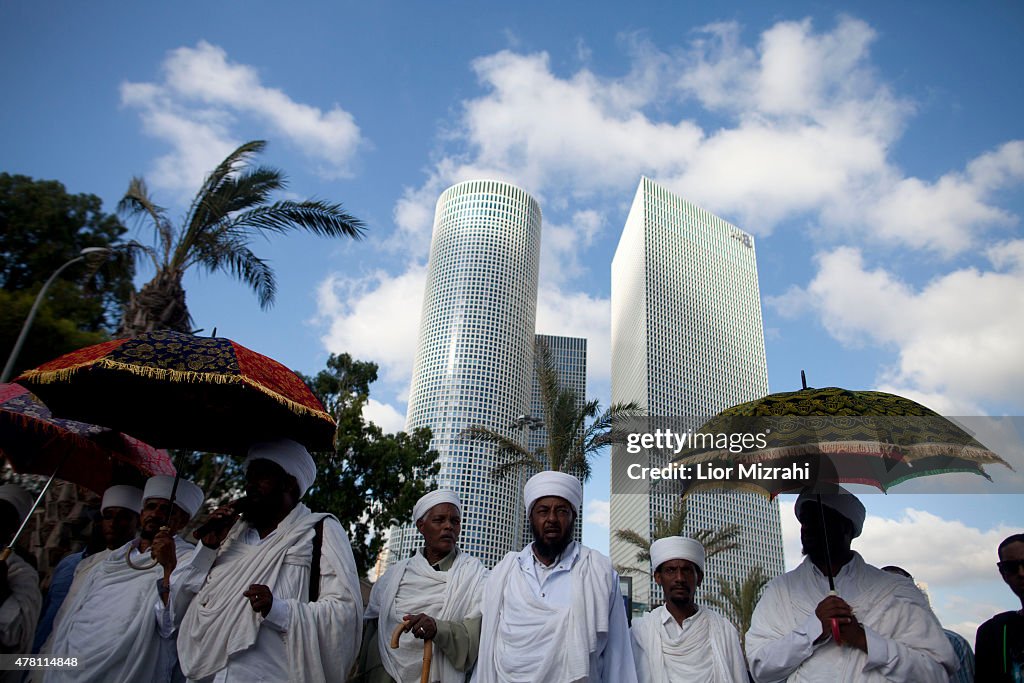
<point x="428" y="649"/>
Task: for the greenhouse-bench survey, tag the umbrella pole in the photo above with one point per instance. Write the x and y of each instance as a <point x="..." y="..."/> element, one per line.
<point x="828" y="549"/>
<point x="24" y="523"/>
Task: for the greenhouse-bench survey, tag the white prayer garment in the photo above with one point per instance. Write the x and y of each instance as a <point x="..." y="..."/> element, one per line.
<point x="558" y="624"/>
<point x="19" y="612"/>
<point x="704" y="649"/>
<point x="905" y="641"/>
<point x="412" y="586"/>
<point x="221" y="638"/>
<point x="111" y="624"/>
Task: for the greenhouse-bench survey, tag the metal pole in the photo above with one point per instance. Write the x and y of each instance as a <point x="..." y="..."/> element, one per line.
<point x="9" y="368"/>
<point x="10" y="546"/>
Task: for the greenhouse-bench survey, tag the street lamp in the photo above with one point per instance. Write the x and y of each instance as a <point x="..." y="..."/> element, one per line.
<point x="82" y="255"/>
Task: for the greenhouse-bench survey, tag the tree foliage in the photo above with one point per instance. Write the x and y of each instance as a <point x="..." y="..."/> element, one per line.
<point x="231" y="207"/>
<point x="576" y="431"/>
<point x="737" y="599"/>
<point x="42" y="227"/>
<point x="715" y="541"/>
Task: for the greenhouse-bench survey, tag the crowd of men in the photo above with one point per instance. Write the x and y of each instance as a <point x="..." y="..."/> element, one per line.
<point x="270" y="593"/>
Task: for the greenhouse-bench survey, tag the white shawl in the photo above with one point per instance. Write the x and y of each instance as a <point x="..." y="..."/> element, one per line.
<point x="322" y="638"/>
<point x="524" y="640"/>
<point x="22" y="608"/>
<point x="110" y="625"/>
<point x="412" y="586"/>
<point x="686" y="658"/>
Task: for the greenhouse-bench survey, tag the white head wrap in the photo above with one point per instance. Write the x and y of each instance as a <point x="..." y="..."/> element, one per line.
<point x="19" y="498"/>
<point x="433" y="498"/>
<point x="550" y="483"/>
<point x="844" y="502"/>
<point x="292" y="456"/>
<point x="123" y="496"/>
<point x="677" y="548"/>
<point x="188" y="497"/>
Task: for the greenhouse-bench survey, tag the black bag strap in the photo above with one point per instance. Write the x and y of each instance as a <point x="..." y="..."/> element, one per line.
<point x="314" y="565"/>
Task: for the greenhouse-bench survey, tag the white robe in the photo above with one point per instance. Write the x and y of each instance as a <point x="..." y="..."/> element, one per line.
<point x="111" y="626"/>
<point x="412" y="586"/>
<point x="221" y="636"/>
<point x="905" y="640"/>
<point x="561" y="624"/>
<point x="19" y="612"/>
<point x="705" y="649"/>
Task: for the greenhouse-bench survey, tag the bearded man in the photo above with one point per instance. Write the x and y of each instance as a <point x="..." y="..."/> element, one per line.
<point x="875" y="627"/>
<point x="435" y="593"/>
<point x="553" y="612"/>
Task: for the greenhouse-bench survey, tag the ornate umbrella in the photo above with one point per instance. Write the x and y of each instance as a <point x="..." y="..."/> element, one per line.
<point x="35" y="442"/>
<point x="181" y="391"/>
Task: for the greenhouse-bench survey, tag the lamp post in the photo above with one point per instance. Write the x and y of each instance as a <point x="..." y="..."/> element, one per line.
<point x="82" y="255"/>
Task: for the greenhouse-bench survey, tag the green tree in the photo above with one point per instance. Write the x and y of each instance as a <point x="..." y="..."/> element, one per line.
<point x="42" y="227"/>
<point x="231" y="207"/>
<point x="576" y="431"/>
<point x="715" y="541"/>
<point x="372" y="480"/>
<point x="737" y="599"/>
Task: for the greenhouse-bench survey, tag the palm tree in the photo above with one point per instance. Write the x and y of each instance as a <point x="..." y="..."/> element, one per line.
<point x="715" y="541"/>
<point x="230" y="208"/>
<point x="737" y="599"/>
<point x="575" y="432"/>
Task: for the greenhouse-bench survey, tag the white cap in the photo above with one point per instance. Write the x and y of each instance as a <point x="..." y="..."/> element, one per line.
<point x="188" y="497"/>
<point x="20" y="499"/>
<point x="292" y="456"/>
<point x="122" y="496"/>
<point x="551" y="483"/>
<point x="426" y="502"/>
<point x="844" y="502"/>
<point x="677" y="548"/>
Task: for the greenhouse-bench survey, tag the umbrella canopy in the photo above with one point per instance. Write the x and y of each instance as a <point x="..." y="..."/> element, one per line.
<point x="841" y="436"/>
<point x="35" y="442"/>
<point x="181" y="391"/>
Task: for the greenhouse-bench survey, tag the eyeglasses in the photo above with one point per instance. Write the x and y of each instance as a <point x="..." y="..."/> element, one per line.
<point x="1010" y="567"/>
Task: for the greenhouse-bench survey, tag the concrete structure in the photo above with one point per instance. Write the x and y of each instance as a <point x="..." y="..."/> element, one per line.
<point x="474" y="359"/>
<point x="687" y="342"/>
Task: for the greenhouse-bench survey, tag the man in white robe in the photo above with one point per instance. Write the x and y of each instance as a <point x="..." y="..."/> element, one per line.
<point x="681" y="641"/>
<point x="248" y="603"/>
<point x="112" y="623"/>
<point x="553" y="613"/>
<point x="436" y="593"/>
<point x="877" y="627"/>
<point x="20" y="599"/>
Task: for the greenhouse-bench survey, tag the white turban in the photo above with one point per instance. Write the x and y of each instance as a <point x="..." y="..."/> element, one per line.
<point x="292" y="456"/>
<point x="188" y="497"/>
<point x="433" y="498"/>
<point x="550" y="483"/>
<point x="845" y="503"/>
<point x="20" y="499"/>
<point x="677" y="548"/>
<point x="123" y="496"/>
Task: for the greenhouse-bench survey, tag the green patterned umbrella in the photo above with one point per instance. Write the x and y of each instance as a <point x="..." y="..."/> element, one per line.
<point x="832" y="436"/>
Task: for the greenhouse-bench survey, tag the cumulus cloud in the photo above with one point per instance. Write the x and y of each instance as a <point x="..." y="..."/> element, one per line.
<point x="575" y="314"/>
<point x="385" y="416"/>
<point x="375" y="318"/>
<point x="597" y="513"/>
<point x="958" y="335"/>
<point x="200" y="98"/>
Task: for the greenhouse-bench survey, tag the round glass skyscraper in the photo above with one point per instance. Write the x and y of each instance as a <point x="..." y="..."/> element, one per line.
<point x="474" y="359"/>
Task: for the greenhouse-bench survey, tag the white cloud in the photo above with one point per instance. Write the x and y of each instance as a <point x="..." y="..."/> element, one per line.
<point x="576" y="314"/>
<point x="384" y="416"/>
<point x="598" y="513"/>
<point x="199" y="100"/>
<point x="375" y="318"/>
<point x="958" y="336"/>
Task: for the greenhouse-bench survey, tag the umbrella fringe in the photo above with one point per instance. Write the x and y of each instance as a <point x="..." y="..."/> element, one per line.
<point x="63" y="374"/>
<point x="889" y="451"/>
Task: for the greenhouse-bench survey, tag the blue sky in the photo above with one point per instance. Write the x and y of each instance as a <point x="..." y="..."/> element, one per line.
<point x="875" y="151"/>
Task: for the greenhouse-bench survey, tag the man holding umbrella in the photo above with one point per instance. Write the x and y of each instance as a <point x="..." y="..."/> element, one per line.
<point x="20" y="599"/>
<point x="109" y="624"/>
<point x="276" y="596"/>
<point x="878" y="628"/>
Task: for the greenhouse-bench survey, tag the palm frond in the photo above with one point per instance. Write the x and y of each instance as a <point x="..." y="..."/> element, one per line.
<point x="137" y="202"/>
<point x="237" y="259"/>
<point x="318" y="217"/>
<point x="635" y="539"/>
